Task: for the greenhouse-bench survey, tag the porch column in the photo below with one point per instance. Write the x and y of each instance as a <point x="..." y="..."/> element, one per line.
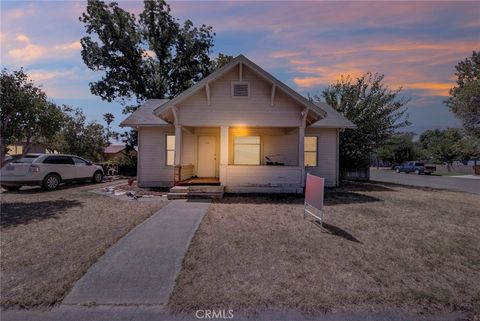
<point x="178" y="154"/>
<point x="223" y="154"/>
<point x="301" y="154"/>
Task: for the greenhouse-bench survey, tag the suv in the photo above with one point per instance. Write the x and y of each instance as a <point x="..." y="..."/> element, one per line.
<point x="415" y="167"/>
<point x="48" y="171"/>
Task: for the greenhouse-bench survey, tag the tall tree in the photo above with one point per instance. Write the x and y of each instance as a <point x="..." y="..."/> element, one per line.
<point x="26" y="114"/>
<point x="153" y="56"/>
<point x="376" y="110"/>
<point x="109" y="118"/>
<point x="464" y="99"/>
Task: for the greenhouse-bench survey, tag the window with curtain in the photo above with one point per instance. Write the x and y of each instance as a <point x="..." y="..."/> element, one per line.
<point x="170" y="150"/>
<point x="246" y="150"/>
<point x="310" y="150"/>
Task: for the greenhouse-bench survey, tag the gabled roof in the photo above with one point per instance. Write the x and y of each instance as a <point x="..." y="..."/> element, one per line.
<point x="144" y="114"/>
<point x="261" y="72"/>
<point x="113" y="149"/>
<point x="333" y="120"/>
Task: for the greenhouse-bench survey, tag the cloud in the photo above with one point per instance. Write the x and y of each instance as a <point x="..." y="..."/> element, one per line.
<point x="23" y="38"/>
<point x="431" y="88"/>
<point x="29" y="52"/>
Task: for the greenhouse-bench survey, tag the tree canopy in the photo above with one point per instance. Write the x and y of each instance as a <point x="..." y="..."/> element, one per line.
<point x="150" y="56"/>
<point x="79" y="137"/>
<point x="376" y="110"/>
<point x="464" y="99"/>
<point x="26" y="115"/>
<point x="441" y="145"/>
<point x="398" y="148"/>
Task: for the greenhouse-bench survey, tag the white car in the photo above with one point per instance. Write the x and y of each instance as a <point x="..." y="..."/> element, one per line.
<point x="48" y="171"/>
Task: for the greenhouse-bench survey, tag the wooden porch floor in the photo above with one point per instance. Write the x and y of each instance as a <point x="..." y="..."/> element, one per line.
<point x="212" y="181"/>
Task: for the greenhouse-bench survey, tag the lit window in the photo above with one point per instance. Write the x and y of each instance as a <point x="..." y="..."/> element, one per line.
<point x="170" y="150"/>
<point x="310" y="150"/>
<point x="246" y="150"/>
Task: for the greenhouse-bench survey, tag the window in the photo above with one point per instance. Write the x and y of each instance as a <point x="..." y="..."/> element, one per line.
<point x="240" y="89"/>
<point x="246" y="150"/>
<point x="170" y="150"/>
<point x="79" y="161"/>
<point x="64" y="160"/>
<point x="26" y="159"/>
<point x="310" y="150"/>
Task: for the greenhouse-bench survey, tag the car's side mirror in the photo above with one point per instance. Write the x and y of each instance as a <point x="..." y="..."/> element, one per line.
<point x="89" y="163"/>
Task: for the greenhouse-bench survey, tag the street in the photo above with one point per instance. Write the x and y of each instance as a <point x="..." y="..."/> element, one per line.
<point x="469" y="185"/>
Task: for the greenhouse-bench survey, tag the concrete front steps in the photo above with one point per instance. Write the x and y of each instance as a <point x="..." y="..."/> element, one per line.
<point x="195" y="192"/>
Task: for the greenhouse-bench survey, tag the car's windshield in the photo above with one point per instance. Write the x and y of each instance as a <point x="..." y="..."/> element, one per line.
<point x="26" y="159"/>
<point x="419" y="164"/>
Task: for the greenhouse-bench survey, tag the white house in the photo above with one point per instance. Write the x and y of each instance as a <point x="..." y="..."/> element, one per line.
<point x="240" y="127"/>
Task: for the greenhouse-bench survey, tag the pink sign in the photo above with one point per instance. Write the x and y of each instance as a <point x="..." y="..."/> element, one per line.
<point x="314" y="187"/>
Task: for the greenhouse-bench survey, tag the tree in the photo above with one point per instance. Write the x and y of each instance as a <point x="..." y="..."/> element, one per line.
<point x="441" y="145"/>
<point x="373" y="107"/>
<point x="109" y="118"/>
<point x="26" y="114"/>
<point x="220" y="61"/>
<point x="153" y="56"/>
<point x="80" y="138"/>
<point x="398" y="148"/>
<point x="464" y="99"/>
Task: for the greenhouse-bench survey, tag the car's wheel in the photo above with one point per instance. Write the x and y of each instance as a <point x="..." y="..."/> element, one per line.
<point x="97" y="177"/>
<point x="11" y="188"/>
<point x="51" y="182"/>
<point x="417" y="172"/>
<point x="397" y="171"/>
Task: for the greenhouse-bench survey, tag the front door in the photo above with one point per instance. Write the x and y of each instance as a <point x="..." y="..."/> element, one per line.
<point x="207" y="157"/>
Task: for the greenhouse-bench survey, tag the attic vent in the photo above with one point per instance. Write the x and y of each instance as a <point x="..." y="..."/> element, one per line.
<point x="240" y="89"/>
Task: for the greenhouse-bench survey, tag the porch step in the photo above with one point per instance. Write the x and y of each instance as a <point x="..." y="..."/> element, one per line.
<point x="196" y="192"/>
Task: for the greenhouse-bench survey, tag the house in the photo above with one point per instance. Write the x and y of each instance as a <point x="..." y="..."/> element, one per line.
<point x="118" y="152"/>
<point x="239" y="126"/>
<point x="17" y="148"/>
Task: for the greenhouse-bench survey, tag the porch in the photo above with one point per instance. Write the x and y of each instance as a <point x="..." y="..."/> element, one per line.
<point x="243" y="159"/>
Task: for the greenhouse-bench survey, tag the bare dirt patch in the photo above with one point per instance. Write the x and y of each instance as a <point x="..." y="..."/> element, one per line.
<point x="383" y="246"/>
<point x="50" y="239"/>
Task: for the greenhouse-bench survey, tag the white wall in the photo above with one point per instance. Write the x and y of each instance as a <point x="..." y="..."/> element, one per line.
<point x="327" y="158"/>
<point x="152" y="170"/>
<point x="255" y="110"/>
<point x="263" y="179"/>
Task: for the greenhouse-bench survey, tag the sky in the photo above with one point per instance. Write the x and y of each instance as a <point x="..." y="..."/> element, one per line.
<point x="307" y="45"/>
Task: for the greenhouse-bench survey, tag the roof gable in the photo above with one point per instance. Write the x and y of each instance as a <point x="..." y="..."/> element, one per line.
<point x="257" y="70"/>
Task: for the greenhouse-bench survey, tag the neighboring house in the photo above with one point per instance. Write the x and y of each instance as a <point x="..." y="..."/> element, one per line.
<point x="117" y="152"/>
<point x="224" y="128"/>
<point x="18" y="148"/>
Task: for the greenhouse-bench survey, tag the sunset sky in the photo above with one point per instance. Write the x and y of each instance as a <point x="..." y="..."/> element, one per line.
<point x="307" y="45"/>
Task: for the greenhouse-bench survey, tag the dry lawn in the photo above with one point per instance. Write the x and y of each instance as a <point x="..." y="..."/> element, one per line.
<point x="50" y="239"/>
<point x="385" y="246"/>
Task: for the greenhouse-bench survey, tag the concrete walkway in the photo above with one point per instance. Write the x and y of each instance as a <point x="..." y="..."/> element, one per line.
<point x="141" y="268"/>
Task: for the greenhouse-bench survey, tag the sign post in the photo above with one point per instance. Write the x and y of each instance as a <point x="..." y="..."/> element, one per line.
<point x="314" y="192"/>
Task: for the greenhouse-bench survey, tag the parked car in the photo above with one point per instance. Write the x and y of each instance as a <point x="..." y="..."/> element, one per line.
<point x="415" y="167"/>
<point x="48" y="171"/>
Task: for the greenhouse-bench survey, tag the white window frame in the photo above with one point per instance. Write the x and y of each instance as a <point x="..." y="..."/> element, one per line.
<point x="259" y="150"/>
<point x="305" y="151"/>
<point x="240" y="83"/>
<point x="168" y="150"/>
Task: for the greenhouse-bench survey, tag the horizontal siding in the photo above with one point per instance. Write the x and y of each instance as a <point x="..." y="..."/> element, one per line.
<point x="152" y="170"/>
<point x="264" y="176"/>
<point x="186" y="172"/>
<point x="327" y="155"/>
<point x="255" y="110"/>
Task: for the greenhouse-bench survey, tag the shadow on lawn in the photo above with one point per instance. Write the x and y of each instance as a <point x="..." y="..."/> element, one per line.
<point x="335" y="230"/>
<point x="17" y="213"/>
<point x="332" y="197"/>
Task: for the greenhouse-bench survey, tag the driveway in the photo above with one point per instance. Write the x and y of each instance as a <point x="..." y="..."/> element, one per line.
<point x="444" y="182"/>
